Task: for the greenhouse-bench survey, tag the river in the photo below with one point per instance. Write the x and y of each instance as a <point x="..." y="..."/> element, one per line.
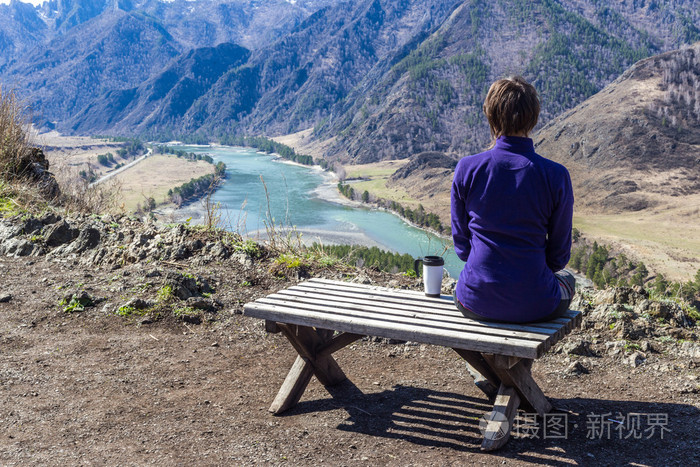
<point x="298" y="197"/>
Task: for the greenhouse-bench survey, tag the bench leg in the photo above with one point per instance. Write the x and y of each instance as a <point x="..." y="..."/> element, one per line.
<point x="519" y="377"/>
<point x="489" y="382"/>
<point x="505" y="408"/>
<point x="314" y="347"/>
<point x="293" y="387"/>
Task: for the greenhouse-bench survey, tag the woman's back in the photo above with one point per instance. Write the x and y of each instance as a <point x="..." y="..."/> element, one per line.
<point x="511" y="223"/>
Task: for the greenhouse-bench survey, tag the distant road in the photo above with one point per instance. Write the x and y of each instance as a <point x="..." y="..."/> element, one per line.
<point x="121" y="169"/>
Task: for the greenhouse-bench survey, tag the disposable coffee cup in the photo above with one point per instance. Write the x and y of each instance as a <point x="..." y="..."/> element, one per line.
<point x="432" y="274"/>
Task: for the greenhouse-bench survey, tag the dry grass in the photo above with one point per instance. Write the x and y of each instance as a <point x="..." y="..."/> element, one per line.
<point x="667" y="239"/>
<point x="154" y="176"/>
<point x="14" y="139"/>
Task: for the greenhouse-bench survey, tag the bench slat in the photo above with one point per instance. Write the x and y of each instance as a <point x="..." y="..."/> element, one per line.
<point x="410" y="312"/>
<point x="571" y="318"/>
<point x="406" y="315"/>
<point x="443" y="305"/>
<point x="416" y="333"/>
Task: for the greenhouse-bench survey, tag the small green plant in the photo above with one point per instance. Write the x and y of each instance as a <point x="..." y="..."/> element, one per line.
<point x="410" y="273"/>
<point x="36" y="239"/>
<point x="290" y="261"/>
<point x="249" y="247"/>
<point x="630" y="346"/>
<point x="245" y="284"/>
<point x="126" y="310"/>
<point x="185" y="311"/>
<point x="165" y="293"/>
<point x="75" y="304"/>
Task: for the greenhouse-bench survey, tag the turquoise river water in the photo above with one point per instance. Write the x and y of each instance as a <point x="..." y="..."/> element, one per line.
<point x="301" y="197"/>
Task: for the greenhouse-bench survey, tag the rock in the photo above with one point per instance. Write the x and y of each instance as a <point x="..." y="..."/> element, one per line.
<point x="204" y="304"/>
<point x="58" y="234"/>
<point x="31" y="226"/>
<point x="220" y="251"/>
<point x="242" y="259"/>
<point x="615" y="348"/>
<point x="635" y="359"/>
<point x="6" y="297"/>
<point x="17" y="247"/>
<point x="154" y="273"/>
<point x="78" y="301"/>
<point x="139" y="304"/>
<point x="642" y="306"/>
<point x="185" y="286"/>
<point x="690" y="350"/>
<point x="448" y="285"/>
<point x="577" y="347"/>
<point x="362" y="279"/>
<point x="576" y="368"/>
<point x="50" y="218"/>
<point x="660" y="310"/>
<point x="634" y="330"/>
<point x="647" y="347"/>
<point x="87" y="239"/>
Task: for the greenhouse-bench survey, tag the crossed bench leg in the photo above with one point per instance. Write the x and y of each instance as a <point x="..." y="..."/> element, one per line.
<point x="511" y="375"/>
<point x="314" y="347"/>
<point x="516" y="387"/>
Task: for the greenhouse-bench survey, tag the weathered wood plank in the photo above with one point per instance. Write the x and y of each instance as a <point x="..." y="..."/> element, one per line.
<point x="498" y="428"/>
<point x="445" y="315"/>
<point x="398" y="298"/>
<point x="520" y="378"/>
<point x="373" y="319"/>
<point x="373" y="312"/>
<point x="415" y="333"/>
<point x="477" y="361"/>
<point x="338" y="342"/>
<point x="305" y="341"/>
<point x="293" y="387"/>
<point x="501" y="361"/>
<point x="271" y="327"/>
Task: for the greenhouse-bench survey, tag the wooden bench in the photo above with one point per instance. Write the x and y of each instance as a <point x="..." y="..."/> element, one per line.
<point x="320" y="316"/>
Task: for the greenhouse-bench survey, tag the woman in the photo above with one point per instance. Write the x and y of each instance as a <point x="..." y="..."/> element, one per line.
<point x="511" y="218"/>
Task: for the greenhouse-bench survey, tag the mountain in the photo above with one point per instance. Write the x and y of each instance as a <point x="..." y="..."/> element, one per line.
<point x="293" y="83"/>
<point x="375" y="79"/>
<point x="62" y="54"/>
<point x="431" y="98"/>
<point x="635" y="144"/>
<point x="165" y="97"/>
<point x="112" y="51"/>
<point x="21" y="27"/>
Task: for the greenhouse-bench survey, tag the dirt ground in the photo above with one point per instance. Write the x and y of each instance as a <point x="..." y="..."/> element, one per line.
<point x="92" y="387"/>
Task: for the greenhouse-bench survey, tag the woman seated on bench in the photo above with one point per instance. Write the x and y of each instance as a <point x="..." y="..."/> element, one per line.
<point x="511" y="218"/>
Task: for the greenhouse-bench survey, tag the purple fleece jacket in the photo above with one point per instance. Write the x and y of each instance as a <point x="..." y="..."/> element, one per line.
<point x="511" y="224"/>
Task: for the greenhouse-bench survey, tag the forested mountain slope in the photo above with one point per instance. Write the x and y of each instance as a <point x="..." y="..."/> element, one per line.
<point x="431" y="99"/>
<point x="376" y="79"/>
<point x="635" y="144"/>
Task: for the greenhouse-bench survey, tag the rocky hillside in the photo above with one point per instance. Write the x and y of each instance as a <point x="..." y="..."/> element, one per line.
<point x="637" y="141"/>
<point x="136" y="349"/>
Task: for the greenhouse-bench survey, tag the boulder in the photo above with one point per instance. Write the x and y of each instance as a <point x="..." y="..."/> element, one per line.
<point x="58" y="234"/>
<point x="88" y="239"/>
<point x="18" y="247"/>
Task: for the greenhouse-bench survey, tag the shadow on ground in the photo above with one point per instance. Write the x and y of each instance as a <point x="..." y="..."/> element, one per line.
<point x="580" y="432"/>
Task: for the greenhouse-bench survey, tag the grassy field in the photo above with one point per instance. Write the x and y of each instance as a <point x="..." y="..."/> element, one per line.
<point x="154" y="176"/>
<point x="375" y="177"/>
<point x="667" y="239"/>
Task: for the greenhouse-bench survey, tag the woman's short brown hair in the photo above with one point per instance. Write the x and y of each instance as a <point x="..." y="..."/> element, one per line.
<point x="511" y="106"/>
